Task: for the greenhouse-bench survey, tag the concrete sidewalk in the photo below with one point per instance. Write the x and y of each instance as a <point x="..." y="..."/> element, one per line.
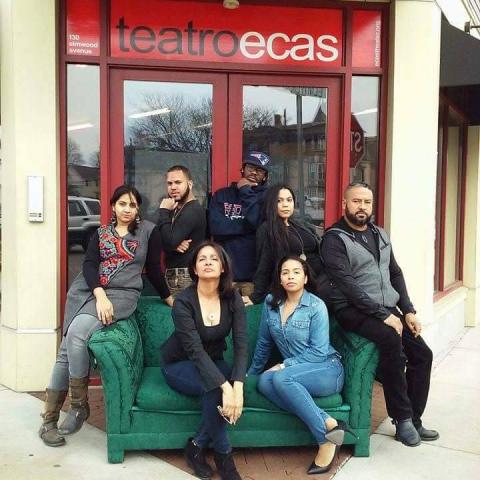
<point x="452" y="409"/>
<point x="23" y="456"/>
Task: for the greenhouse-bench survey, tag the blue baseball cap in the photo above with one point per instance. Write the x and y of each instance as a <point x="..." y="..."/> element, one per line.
<point x="258" y="159"/>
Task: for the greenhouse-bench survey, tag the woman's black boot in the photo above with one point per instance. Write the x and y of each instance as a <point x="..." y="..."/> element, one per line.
<point x="196" y="460"/>
<point x="226" y="466"/>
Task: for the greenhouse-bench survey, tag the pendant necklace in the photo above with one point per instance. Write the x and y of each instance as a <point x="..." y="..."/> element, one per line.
<point x="176" y="213"/>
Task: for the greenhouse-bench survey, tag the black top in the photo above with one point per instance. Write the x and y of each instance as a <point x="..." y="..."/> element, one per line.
<point x="153" y="267"/>
<point x="201" y="344"/>
<point x="338" y="267"/>
<point x="177" y="225"/>
<point x="301" y="239"/>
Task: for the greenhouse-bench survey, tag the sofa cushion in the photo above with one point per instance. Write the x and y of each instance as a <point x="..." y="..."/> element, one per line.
<point x="154" y="319"/>
<point x="155" y="395"/>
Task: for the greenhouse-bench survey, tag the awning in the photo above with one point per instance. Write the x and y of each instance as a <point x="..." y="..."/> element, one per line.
<point x="460" y="70"/>
<point x="459" y="57"/>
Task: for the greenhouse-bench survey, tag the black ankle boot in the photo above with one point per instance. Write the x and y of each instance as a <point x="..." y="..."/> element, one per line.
<point x="226" y="466"/>
<point x="426" y="434"/>
<point x="196" y="460"/>
<point x="407" y="433"/>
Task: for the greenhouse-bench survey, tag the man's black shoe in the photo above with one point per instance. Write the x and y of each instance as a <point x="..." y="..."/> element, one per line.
<point x="196" y="460"/>
<point x="407" y="433"/>
<point x="427" y="435"/>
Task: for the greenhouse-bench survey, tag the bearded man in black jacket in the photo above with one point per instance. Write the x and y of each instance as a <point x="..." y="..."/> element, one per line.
<point x="182" y="223"/>
<point x="369" y="297"/>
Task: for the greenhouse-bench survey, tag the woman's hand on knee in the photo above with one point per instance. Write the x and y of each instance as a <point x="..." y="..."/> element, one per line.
<point x="238" y="401"/>
<point x="228" y="400"/>
<point x="104" y="306"/>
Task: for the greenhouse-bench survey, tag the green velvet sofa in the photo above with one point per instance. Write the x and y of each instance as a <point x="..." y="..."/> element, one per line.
<point x="143" y="413"/>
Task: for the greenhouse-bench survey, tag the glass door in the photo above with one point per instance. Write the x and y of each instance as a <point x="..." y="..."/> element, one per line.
<point x="163" y="119"/>
<point x="160" y="119"/>
<point x="296" y="122"/>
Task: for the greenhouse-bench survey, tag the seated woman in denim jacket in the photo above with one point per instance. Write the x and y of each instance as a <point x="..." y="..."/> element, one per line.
<point x="296" y="321"/>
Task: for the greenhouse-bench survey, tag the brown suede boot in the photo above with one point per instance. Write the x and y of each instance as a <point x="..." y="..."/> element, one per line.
<point x="79" y="409"/>
<point x="53" y="404"/>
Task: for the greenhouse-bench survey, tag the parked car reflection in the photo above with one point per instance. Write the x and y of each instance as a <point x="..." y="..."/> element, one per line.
<point x="83" y="220"/>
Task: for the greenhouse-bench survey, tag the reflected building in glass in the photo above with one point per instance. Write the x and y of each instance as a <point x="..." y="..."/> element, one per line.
<point x="289" y="124"/>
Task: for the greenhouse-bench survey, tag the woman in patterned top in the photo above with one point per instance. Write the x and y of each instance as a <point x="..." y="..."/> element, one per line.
<point x="105" y="291"/>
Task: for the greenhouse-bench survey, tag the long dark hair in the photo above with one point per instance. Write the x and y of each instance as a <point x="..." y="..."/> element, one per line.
<point x="276" y="229"/>
<point x="279" y="295"/>
<point x="225" y="285"/>
<point x="131" y="192"/>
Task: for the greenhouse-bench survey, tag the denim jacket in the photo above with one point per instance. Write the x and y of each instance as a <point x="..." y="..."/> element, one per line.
<point x="303" y="338"/>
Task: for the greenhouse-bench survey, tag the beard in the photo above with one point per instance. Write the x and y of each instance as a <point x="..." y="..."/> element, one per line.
<point x="359" y="222"/>
<point x="184" y="197"/>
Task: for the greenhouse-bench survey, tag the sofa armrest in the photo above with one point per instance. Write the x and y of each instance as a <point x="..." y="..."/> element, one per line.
<point x="118" y="351"/>
<point x="360" y="359"/>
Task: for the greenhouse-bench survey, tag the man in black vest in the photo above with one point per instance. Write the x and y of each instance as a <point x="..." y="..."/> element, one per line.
<point x="370" y="298"/>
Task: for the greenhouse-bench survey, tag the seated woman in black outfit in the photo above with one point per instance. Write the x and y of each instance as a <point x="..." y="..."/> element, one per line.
<point x="204" y="314"/>
<point x="280" y="236"/>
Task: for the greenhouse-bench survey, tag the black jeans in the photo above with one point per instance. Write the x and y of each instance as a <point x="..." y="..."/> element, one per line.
<point x="184" y="378"/>
<point x="405" y="389"/>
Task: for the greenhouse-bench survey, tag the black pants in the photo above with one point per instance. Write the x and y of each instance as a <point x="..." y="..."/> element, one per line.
<point x="405" y="389"/>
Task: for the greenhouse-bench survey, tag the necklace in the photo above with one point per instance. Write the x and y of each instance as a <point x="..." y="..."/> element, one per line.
<point x="177" y="212"/>
<point x="211" y="317"/>
<point x="302" y="255"/>
<point x="210" y="310"/>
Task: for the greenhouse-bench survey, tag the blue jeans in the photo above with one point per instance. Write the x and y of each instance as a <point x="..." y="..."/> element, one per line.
<point x="292" y="389"/>
<point x="184" y="378"/>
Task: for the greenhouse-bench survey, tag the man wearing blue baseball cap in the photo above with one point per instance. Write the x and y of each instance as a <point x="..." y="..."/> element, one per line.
<point x="235" y="213"/>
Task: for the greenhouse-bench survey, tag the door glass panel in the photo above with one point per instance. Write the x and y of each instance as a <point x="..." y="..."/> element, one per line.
<point x="83" y="153"/>
<point x="166" y="124"/>
<point x="290" y="125"/>
<point x="364" y="133"/>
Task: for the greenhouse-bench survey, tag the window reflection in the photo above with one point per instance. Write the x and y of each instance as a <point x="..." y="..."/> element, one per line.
<point x="364" y="132"/>
<point x="289" y="124"/>
<point x="166" y="124"/>
<point x="453" y="188"/>
<point x="83" y="156"/>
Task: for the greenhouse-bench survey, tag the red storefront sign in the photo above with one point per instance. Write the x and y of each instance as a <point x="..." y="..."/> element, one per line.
<point x="260" y="34"/>
<point x="367" y="35"/>
<point x="83" y="27"/>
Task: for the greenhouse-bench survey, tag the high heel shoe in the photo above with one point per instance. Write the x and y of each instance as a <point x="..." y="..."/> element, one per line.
<point x="337" y="434"/>
<point x="315" y="469"/>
